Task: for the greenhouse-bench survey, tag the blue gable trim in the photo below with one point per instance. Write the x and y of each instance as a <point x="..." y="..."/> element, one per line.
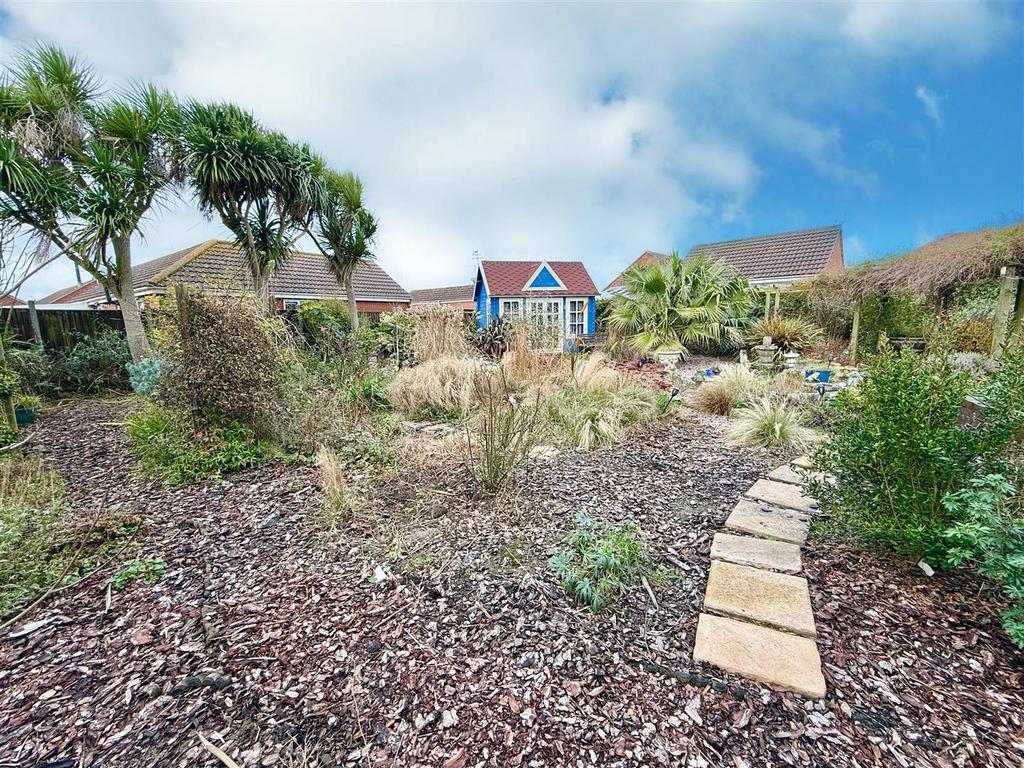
<point x="545" y="279"/>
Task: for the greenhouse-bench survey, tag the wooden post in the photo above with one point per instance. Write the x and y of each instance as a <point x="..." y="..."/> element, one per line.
<point x="854" y="333"/>
<point x="778" y="301"/>
<point x="33" y="318"/>
<point x="1009" y="309"/>
<point x="767" y="303"/>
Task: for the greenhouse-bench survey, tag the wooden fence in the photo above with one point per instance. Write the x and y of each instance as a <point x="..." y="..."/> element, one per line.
<point x="57" y="328"/>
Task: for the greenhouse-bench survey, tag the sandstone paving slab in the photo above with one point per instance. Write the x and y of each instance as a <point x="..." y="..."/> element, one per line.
<point x="753" y="594"/>
<point x="768" y="522"/>
<point x="781" y="495"/>
<point x="759" y="653"/>
<point x="803" y="462"/>
<point x="758" y="553"/>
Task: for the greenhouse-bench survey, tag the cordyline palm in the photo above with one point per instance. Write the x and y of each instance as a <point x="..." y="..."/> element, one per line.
<point x="681" y="303"/>
<point x="263" y="187"/>
<point x="82" y="173"/>
<point x="343" y="231"/>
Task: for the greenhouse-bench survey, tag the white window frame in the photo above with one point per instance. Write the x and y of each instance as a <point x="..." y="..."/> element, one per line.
<point x="582" y="316"/>
<point x="296" y="303"/>
<point x="504" y="310"/>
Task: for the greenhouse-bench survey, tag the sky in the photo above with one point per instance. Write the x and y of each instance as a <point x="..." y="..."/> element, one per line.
<point x="593" y="132"/>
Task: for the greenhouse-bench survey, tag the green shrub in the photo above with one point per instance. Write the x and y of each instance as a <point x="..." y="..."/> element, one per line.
<point x="40" y="372"/>
<point x="144" y="376"/>
<point x="10" y="381"/>
<point x="98" y="362"/>
<point x="324" y="323"/>
<point x="771" y="422"/>
<point x="391" y="338"/>
<point x="42" y="544"/>
<point x="369" y="392"/>
<point x="500" y="438"/>
<point x="989" y="532"/>
<point x="603" y="561"/>
<point x="168" y="449"/>
<point x="896" y="450"/>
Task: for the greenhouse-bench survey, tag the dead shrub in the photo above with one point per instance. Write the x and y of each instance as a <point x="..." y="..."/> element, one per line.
<point x="713" y="396"/>
<point x="223" y="360"/>
<point x="526" y="362"/>
<point x="440" y="331"/>
<point x="337" y="496"/>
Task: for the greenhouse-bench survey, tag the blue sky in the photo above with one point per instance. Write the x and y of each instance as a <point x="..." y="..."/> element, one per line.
<point x="596" y="132"/>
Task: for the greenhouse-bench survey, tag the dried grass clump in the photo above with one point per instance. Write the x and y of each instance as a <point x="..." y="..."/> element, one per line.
<point x="440" y="331"/>
<point x="437" y="389"/>
<point x="599" y="407"/>
<point x="525" y="362"/>
<point x="791" y="334"/>
<point x="338" y="498"/>
<point x="733" y="386"/>
<point x="771" y="422"/>
<point x="788" y="383"/>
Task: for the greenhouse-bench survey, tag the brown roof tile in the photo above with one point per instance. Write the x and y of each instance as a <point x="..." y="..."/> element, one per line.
<point x="803" y="253"/>
<point x="447" y="295"/>
<point x="220" y="265"/>
<point x="508" y="278"/>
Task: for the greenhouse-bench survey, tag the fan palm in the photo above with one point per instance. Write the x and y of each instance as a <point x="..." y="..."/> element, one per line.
<point x="680" y="304"/>
<point x="343" y="231"/>
<point x="263" y="187"/>
<point x="83" y="173"/>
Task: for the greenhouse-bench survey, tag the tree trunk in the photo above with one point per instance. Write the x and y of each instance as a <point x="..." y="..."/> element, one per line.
<point x="7" y="401"/>
<point x="124" y="291"/>
<point x="353" y="313"/>
<point x="262" y="283"/>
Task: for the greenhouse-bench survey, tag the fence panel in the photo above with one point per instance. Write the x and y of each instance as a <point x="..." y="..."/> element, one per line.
<point x="60" y="328"/>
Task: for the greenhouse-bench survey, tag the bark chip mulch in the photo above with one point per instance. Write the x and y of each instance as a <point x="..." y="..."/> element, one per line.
<point x="432" y="633"/>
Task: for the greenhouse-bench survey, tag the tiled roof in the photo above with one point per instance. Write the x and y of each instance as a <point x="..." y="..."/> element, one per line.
<point x="6" y="300"/>
<point x="803" y="253"/>
<point x="220" y="265"/>
<point x="508" y="278"/>
<point x="448" y="294"/>
<point x="647" y="257"/>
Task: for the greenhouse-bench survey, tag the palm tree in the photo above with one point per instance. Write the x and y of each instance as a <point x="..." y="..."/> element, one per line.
<point x="83" y="173"/>
<point x="343" y="231"/>
<point x="681" y="303"/>
<point x="263" y="187"/>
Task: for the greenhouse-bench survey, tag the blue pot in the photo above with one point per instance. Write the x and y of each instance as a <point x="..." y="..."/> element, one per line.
<point x="25" y="415"/>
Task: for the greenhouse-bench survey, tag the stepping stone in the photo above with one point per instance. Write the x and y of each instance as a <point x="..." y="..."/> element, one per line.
<point x="781" y="495"/>
<point x="786" y="474"/>
<point x="759" y="553"/>
<point x="759" y="653"/>
<point x="775" y="599"/>
<point x="768" y="522"/>
<point x="804" y="462"/>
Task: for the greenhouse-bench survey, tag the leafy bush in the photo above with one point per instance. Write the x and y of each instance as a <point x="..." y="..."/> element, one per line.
<point x="391" y="338"/>
<point x="770" y="422"/>
<point x="603" y="561"/>
<point x="324" y="323"/>
<point x="40" y="372"/>
<point x="42" y="544"/>
<point x="599" y="407"/>
<point x="167" y="448"/>
<point x="10" y="381"/>
<point x="504" y="432"/>
<point x="436" y="388"/>
<point x="790" y="334"/>
<point x="223" y="363"/>
<point x="98" y="362"/>
<point x="144" y="376"/>
<point x="988" y="534"/>
<point x="972" y="335"/>
<point x="897" y="451"/>
<point x="369" y="392"/>
<point x="439" y="331"/>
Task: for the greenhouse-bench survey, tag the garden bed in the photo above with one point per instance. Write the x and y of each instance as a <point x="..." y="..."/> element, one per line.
<point x="433" y="632"/>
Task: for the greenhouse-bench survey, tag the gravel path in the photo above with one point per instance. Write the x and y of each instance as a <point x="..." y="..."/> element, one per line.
<point x="274" y="642"/>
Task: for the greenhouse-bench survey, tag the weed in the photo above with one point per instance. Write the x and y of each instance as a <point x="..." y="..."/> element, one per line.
<point x="602" y="562"/>
<point x="338" y="499"/>
<point x="150" y="570"/>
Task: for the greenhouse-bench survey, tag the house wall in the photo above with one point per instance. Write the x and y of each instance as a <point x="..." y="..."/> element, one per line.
<point x="361" y="306"/>
<point x="836" y="259"/>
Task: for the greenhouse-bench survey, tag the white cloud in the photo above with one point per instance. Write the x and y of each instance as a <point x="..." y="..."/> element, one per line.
<point x="582" y="131"/>
<point x="854" y="250"/>
<point x="930" y="103"/>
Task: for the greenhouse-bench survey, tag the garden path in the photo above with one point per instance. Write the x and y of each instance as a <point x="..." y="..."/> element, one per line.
<point x="758" y="620"/>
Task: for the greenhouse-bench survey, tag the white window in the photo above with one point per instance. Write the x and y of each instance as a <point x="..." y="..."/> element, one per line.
<point x="510" y="307"/>
<point x="290" y="304"/>
<point x="577" y="317"/>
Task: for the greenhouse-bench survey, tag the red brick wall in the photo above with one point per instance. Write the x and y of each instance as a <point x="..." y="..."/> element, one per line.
<point x="380" y="306"/>
<point x="835" y="260"/>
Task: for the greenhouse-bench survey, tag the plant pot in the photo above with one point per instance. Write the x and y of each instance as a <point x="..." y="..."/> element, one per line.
<point x="25" y="415"/>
